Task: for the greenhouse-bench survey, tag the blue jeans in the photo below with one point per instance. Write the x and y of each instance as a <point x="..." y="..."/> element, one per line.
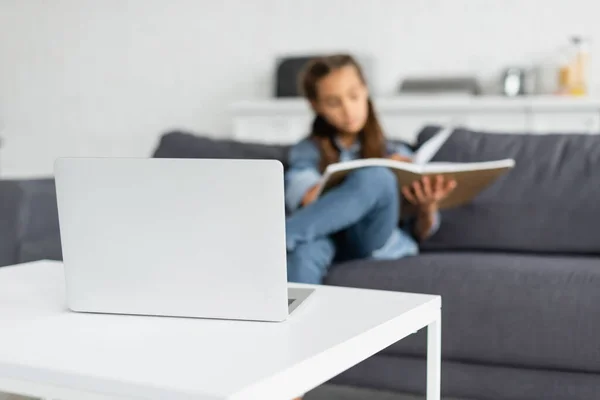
<point x="348" y="222"/>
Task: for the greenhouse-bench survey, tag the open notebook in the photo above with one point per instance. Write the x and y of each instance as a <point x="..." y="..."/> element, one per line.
<point x="471" y="178"/>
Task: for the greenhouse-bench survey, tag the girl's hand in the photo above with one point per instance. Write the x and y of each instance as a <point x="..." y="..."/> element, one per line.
<point x="427" y="193"/>
<point x="398" y="157"/>
<point x="310" y="196"/>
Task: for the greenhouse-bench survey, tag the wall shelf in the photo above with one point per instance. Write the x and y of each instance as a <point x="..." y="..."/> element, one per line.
<point x="288" y="120"/>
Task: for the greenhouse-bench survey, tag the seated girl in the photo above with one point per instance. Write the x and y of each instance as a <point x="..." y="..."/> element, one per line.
<point x="360" y="217"/>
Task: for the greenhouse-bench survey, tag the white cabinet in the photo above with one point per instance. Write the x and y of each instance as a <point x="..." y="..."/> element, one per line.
<point x="271" y="128"/>
<point x="405" y="125"/>
<point x="566" y="121"/>
<point x="511" y="121"/>
<point x="289" y="120"/>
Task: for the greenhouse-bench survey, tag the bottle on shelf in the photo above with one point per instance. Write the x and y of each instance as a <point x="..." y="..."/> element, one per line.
<point x="573" y="76"/>
<point x="580" y="84"/>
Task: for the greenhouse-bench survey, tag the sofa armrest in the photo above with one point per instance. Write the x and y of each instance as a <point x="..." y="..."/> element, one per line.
<point x="38" y="227"/>
<point x="10" y="200"/>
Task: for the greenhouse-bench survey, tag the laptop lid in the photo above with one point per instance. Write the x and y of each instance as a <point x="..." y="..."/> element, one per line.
<point x="174" y="237"/>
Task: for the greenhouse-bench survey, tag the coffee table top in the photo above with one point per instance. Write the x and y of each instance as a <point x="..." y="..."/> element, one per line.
<point x="116" y="356"/>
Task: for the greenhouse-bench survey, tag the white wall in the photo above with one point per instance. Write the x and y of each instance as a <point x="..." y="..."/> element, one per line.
<point x="106" y="77"/>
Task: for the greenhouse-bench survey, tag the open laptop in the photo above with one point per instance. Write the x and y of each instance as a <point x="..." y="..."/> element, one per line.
<point x="175" y="237"/>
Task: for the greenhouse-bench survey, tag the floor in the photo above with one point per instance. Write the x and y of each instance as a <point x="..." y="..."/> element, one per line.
<point x="4" y="396"/>
<point x="330" y="392"/>
<point x="326" y="392"/>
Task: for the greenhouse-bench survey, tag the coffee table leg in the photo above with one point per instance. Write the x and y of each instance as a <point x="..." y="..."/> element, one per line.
<point x="434" y="359"/>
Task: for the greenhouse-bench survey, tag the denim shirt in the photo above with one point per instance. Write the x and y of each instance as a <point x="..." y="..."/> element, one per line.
<point x="303" y="173"/>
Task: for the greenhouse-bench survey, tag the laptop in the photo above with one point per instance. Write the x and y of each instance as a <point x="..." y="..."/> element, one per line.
<point x="201" y="238"/>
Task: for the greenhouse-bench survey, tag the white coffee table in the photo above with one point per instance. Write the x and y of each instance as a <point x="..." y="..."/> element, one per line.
<point x="47" y="351"/>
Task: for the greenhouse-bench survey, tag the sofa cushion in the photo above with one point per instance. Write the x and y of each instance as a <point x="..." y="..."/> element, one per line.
<point x="506" y="309"/>
<point x="10" y="199"/>
<point x="186" y="145"/>
<point x="462" y="381"/>
<point x="547" y="203"/>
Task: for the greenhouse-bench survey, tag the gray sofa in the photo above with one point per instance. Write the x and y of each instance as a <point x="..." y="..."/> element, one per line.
<point x="518" y="269"/>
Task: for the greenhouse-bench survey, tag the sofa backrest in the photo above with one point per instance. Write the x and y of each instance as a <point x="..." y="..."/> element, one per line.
<point x="550" y="201"/>
<point x="178" y="144"/>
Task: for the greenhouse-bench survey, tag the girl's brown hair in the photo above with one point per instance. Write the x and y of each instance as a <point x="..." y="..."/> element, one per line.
<point x="371" y="137"/>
